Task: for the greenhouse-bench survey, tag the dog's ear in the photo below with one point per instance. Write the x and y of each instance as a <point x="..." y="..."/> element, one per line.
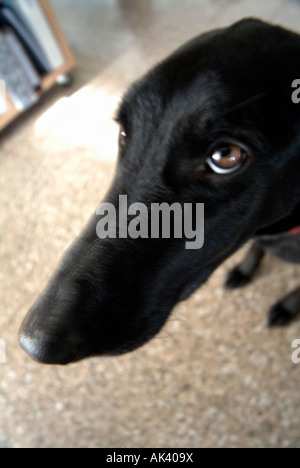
<point x="249" y="21"/>
<point x="277" y="45"/>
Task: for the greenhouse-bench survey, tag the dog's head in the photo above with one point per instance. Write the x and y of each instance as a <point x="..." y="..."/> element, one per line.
<point x="213" y="124"/>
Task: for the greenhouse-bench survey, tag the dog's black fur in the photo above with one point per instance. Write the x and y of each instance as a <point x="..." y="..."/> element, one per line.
<point x="231" y="86"/>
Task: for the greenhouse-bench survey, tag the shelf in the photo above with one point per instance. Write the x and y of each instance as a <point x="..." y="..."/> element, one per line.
<point x="48" y="81"/>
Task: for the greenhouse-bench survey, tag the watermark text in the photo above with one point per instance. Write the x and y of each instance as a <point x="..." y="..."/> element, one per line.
<point x="158" y="221"/>
<point x="296" y="353"/>
<point x="296" y="93"/>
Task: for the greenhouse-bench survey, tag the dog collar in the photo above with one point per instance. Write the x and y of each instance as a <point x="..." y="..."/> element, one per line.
<point x="295" y="230"/>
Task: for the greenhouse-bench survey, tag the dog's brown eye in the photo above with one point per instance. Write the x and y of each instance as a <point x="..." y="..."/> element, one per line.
<point x="227" y="159"/>
<point x="122" y="136"/>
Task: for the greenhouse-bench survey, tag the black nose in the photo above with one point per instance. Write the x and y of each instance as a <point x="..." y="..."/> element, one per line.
<point x="50" y="333"/>
<point x="50" y="349"/>
<point x="47" y="340"/>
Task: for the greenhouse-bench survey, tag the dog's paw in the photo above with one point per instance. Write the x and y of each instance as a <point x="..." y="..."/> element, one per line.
<point x="280" y="316"/>
<point x="236" y="279"/>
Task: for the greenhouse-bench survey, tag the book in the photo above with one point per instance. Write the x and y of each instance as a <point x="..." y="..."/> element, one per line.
<point x="35" y="18"/>
<point x="22" y="57"/>
<point x="9" y="17"/>
<point x="16" y="83"/>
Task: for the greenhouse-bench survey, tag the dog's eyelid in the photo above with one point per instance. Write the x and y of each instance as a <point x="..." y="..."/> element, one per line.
<point x="122" y="122"/>
<point x="123" y="114"/>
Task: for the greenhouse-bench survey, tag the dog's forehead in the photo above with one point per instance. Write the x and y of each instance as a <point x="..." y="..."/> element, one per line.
<point x="159" y="99"/>
<point x="215" y="77"/>
<point x="173" y="90"/>
<point x="206" y="69"/>
<point x="189" y="79"/>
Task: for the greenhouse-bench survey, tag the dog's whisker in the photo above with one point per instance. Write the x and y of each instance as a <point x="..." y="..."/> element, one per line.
<point x="247" y="102"/>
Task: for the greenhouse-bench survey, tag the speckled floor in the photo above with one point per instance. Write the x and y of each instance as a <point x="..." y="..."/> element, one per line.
<point x="215" y="376"/>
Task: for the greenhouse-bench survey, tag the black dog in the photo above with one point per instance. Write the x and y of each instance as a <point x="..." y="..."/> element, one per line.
<point x="214" y="123"/>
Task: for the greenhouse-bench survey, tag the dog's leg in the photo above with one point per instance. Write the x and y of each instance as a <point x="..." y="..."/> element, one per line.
<point x="285" y="310"/>
<point x="243" y="273"/>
